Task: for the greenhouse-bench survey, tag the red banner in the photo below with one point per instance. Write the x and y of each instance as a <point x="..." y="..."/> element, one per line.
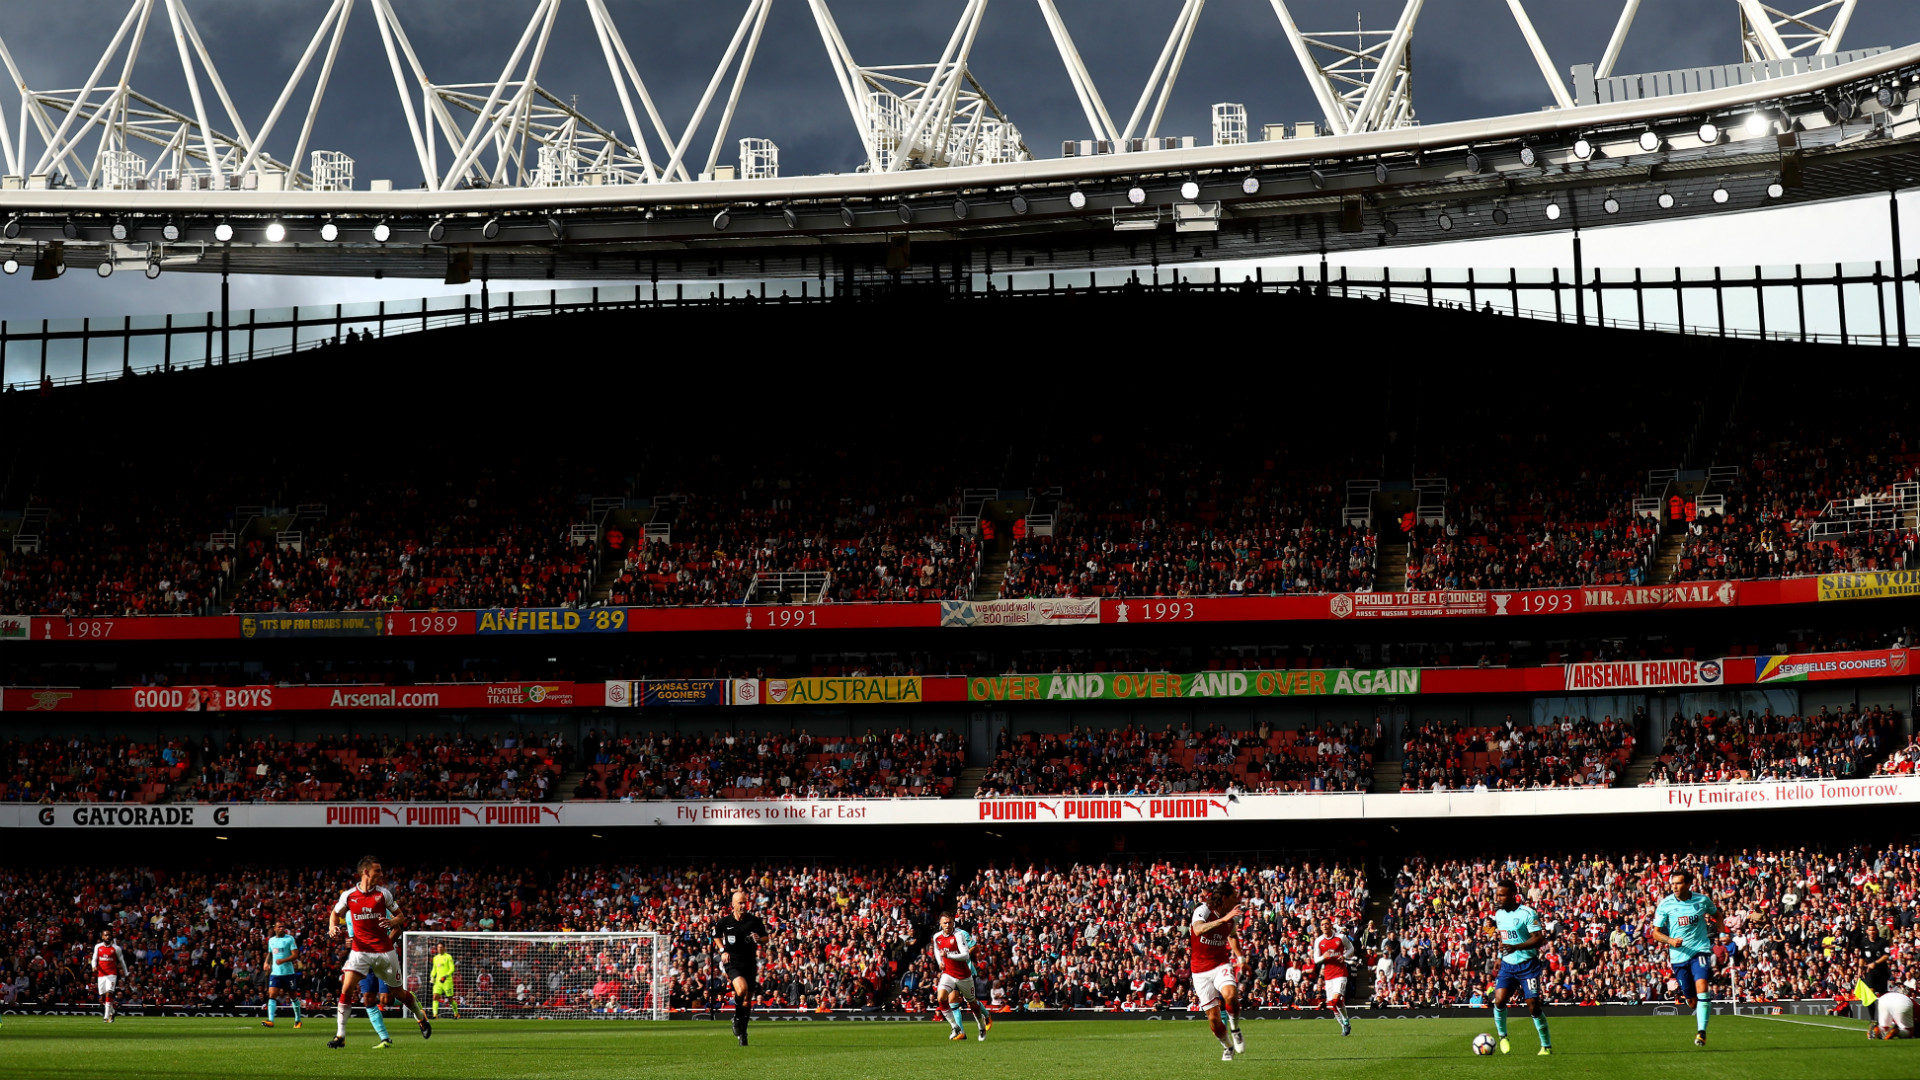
<point x="1469" y="603"/>
<point x="217" y="699"/>
<point x="137" y="628"/>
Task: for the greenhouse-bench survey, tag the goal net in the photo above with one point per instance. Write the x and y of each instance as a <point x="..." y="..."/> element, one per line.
<point x="543" y="976"/>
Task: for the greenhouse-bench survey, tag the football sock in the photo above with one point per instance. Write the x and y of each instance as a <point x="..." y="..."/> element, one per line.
<point x="1500" y="1021"/>
<point x="1232" y="1017"/>
<point x="109" y="1008"/>
<point x="271" y="1002"/>
<point x="436" y="1008"/>
<point x="296" y="1008"/>
<point x="1220" y="1032"/>
<point x="953" y="1017"/>
<point x="1540" y="1025"/>
<point x="1702" y="1011"/>
<point x="340" y="1020"/>
<point x="379" y="1022"/>
<point x="979" y="1011"/>
<point x="742" y="1012"/>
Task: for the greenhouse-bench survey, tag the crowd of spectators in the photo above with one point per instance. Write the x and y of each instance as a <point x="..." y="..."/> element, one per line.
<point x="1797" y="921"/>
<point x="1524" y="553"/>
<point x="1114" y="936"/>
<point x="81" y="569"/>
<point x="1707" y="748"/>
<point x="335" y="768"/>
<point x="1212" y="760"/>
<point x="1567" y="751"/>
<point x="85" y="769"/>
<point x="771" y="765"/>
<point x="843" y="934"/>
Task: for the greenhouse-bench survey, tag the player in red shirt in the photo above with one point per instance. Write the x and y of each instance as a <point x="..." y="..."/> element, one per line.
<point x="109" y="963"/>
<point x="1215" y="953"/>
<point x="368" y="916"/>
<point x="953" y="948"/>
<point x="1333" y="955"/>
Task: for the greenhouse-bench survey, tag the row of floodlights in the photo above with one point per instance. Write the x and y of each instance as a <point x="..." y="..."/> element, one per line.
<point x="1666" y="200"/>
<point x="172" y="231"/>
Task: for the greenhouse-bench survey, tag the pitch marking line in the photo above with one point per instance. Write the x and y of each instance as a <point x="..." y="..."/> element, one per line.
<point x="1804" y="1023"/>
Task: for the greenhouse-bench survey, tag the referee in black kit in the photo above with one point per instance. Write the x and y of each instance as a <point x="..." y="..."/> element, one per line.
<point x="737" y="936"/>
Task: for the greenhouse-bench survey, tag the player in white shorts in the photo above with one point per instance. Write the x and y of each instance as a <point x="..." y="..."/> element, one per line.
<point x="953" y="950"/>
<point x="1214" y="952"/>
<point x="1893" y="1015"/>
<point x="108" y="962"/>
<point x="368" y="916"/>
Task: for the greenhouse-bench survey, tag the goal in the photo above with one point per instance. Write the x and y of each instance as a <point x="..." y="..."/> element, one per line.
<point x="544" y="976"/>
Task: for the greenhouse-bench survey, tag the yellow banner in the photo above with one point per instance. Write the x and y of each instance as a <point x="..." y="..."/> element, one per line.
<point x="851" y="690"/>
<point x="1871" y="585"/>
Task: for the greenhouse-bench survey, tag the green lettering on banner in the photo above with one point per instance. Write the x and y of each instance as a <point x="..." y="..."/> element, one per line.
<point x="1127" y="686"/>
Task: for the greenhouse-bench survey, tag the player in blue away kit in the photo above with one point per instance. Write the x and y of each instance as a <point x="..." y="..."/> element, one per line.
<point x="1518" y="927"/>
<point x="1686" y="923"/>
<point x="282" y="977"/>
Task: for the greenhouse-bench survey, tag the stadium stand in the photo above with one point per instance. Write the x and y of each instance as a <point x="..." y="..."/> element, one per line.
<point x="1169" y="762"/>
<point x="1707" y="749"/>
<point x="1113" y="935"/>
<point x="1798" y="918"/>
<point x="773" y="765"/>
<point x="196" y="937"/>
<point x="1566" y="752"/>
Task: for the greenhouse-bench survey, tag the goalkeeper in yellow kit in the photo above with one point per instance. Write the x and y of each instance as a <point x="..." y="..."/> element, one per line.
<point x="443" y="982"/>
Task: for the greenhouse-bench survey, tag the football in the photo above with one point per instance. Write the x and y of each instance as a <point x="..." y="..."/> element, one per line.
<point x="1483" y="1044"/>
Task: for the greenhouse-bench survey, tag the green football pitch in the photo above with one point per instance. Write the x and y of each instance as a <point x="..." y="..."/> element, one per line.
<point x="1743" y="1048"/>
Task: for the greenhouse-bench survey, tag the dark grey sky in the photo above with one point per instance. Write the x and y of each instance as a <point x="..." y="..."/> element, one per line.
<point x="1469" y="58"/>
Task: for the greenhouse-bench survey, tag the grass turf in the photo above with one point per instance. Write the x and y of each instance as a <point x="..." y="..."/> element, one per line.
<point x="68" y="1048"/>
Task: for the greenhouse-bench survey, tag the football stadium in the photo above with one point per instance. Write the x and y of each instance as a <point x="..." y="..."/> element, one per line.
<point x="519" y="578"/>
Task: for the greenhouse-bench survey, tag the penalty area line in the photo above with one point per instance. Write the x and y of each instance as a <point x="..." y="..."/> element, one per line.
<point x="1803" y="1023"/>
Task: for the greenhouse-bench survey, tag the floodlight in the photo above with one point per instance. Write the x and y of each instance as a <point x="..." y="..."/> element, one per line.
<point x="1251" y="185"/>
<point x="1500" y="215"/>
<point x="437" y="231"/>
<point x="1077" y="200"/>
<point x="1583" y="148"/>
<point x="491" y="229"/>
<point x="905" y="210"/>
<point x="10" y="267"/>
<point x="1529" y="157"/>
<point x="1666" y="200"/>
<point x="792" y="219"/>
<point x="223" y="232"/>
<point x="1474" y="164"/>
<point x="1191" y="191"/>
<point x="847" y="216"/>
<point x="961" y="209"/>
<point x="1446" y="222"/>
<point x="1709" y="133"/>
<point x="382" y="233"/>
<point x="554" y="227"/>
<point x="120" y="230"/>
<point x="70" y="230"/>
<point x="1319" y="179"/>
<point x="1136" y="195"/>
<point x="12" y="229"/>
<point x="1776" y="189"/>
<point x="105" y="269"/>
<point x="1020" y="204"/>
<point x="170" y="232"/>
<point x="276" y="232"/>
<point x="1649" y="141"/>
<point x="1611" y="206"/>
<point x="1553" y="211"/>
<point x="1380" y="173"/>
<point x="1759" y="126"/>
<point x="1721" y="195"/>
<point x="153" y="271"/>
<point x="329" y="232"/>
<point x="721" y="220"/>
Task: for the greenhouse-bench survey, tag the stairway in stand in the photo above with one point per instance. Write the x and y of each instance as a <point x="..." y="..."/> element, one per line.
<point x="1390" y="567"/>
<point x="1666" y="560"/>
<point x="969" y="783"/>
<point x="1386" y="776"/>
<point x="993" y="575"/>
<point x="1636" y="771"/>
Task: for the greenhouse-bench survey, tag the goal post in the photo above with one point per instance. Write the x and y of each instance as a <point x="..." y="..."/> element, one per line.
<point x="586" y="976"/>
